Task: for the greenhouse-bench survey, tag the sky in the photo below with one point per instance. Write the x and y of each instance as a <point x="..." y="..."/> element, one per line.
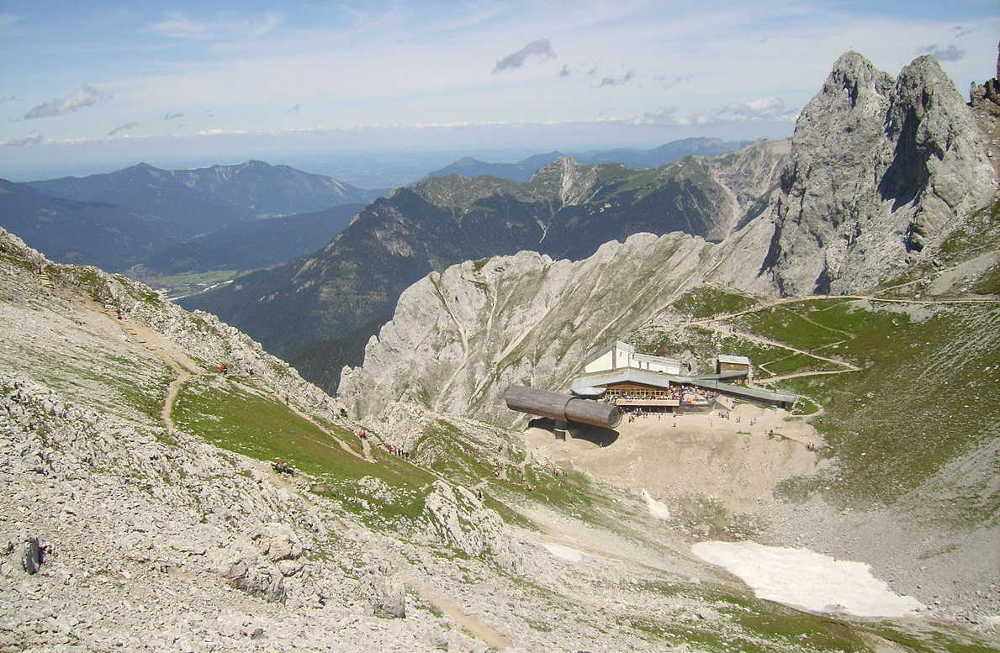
<point x="91" y="84"/>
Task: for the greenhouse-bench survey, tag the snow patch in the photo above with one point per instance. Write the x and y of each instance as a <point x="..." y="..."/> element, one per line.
<point x="656" y="508"/>
<point x="806" y="579"/>
<point x="564" y="552"/>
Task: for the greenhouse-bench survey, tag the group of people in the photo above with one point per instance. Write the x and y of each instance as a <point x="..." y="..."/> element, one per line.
<point x="634" y="412"/>
<point x="737" y="419"/>
<point x="689" y="394"/>
<point x="397" y="451"/>
<point x="391" y="448"/>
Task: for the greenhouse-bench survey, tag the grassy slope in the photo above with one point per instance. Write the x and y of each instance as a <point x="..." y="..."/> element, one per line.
<point x="227" y="415"/>
<point x="926" y="393"/>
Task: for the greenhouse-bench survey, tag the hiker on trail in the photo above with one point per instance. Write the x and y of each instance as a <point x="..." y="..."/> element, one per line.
<point x="223" y="369"/>
<point x="250" y="370"/>
<point x="119" y="313"/>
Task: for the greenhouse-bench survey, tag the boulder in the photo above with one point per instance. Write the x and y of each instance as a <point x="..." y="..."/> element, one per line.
<point x="258" y="578"/>
<point x="383" y="591"/>
<point x="31" y="555"/>
<point x="277" y="541"/>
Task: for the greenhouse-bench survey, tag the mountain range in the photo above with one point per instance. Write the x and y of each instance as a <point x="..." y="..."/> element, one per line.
<point x="205" y="199"/>
<point x="145" y="216"/>
<point x="522" y="171"/>
<point x="347" y="289"/>
<point x="82" y="232"/>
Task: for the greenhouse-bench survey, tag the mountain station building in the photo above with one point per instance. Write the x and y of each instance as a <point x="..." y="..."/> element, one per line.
<point x="629" y="379"/>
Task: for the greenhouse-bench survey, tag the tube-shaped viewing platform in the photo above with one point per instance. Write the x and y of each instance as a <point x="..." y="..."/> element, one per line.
<point x="558" y="406"/>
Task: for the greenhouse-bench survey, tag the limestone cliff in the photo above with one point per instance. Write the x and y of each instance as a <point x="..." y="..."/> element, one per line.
<point x="879" y="170"/>
<point x="459" y="338"/>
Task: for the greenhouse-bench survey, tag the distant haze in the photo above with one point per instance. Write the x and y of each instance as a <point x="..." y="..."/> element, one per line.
<point x="387" y="163"/>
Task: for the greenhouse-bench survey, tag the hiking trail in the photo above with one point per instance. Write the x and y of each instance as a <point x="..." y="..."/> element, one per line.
<point x="470" y="623"/>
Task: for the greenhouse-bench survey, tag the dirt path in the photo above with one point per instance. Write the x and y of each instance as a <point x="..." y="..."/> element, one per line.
<point x="752" y="337"/>
<point x="180" y="363"/>
<point x="715" y="324"/>
<point x="874" y="298"/>
<point x="470" y="623"/>
<point x="168" y="404"/>
<point x="184" y="368"/>
<point x="797" y="375"/>
<point x="365" y="456"/>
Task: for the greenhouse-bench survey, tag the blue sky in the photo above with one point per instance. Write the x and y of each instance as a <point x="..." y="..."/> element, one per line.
<point x="88" y="83"/>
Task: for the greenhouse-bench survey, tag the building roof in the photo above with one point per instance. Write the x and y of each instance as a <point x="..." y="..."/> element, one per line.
<point x="731" y="358"/>
<point x="725" y="376"/>
<point x="623" y="375"/>
<point x="588" y="384"/>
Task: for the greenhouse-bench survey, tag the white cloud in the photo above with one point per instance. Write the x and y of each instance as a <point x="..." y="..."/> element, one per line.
<point x="770" y="108"/>
<point x="179" y="26"/>
<point x="84" y="96"/>
<point x="665" y="116"/>
<point x="616" y="81"/>
<point x="35" y="138"/>
<point x="949" y="53"/>
<point x="218" y="131"/>
<point x="541" y="48"/>
<point x="121" y="129"/>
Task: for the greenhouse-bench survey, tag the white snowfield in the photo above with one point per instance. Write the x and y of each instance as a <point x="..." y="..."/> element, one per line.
<point x="806" y="579"/>
<point x="656" y="508"/>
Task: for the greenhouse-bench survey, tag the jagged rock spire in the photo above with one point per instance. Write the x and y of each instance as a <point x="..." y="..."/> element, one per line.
<point x="879" y="169"/>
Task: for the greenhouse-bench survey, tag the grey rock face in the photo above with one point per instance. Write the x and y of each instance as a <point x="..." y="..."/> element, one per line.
<point x="880" y="169"/>
<point x="31" y="555"/>
<point x="458" y="339"/>
<point x="257" y="580"/>
<point x="461" y="520"/>
<point x="383" y="591"/>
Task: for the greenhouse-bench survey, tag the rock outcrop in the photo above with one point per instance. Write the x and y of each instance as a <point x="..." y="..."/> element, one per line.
<point x="381" y="587"/>
<point x="460" y="338"/>
<point x="880" y="170"/>
<point x="461" y="521"/>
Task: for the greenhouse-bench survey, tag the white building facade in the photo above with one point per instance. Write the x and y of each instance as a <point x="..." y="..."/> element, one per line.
<point x="621" y="355"/>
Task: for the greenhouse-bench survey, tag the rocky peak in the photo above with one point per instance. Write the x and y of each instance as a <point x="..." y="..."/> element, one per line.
<point x="857" y="76"/>
<point x="564" y="178"/>
<point x="456" y="191"/>
<point x="879" y="170"/>
<point x="984" y="100"/>
<point x="145" y="169"/>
